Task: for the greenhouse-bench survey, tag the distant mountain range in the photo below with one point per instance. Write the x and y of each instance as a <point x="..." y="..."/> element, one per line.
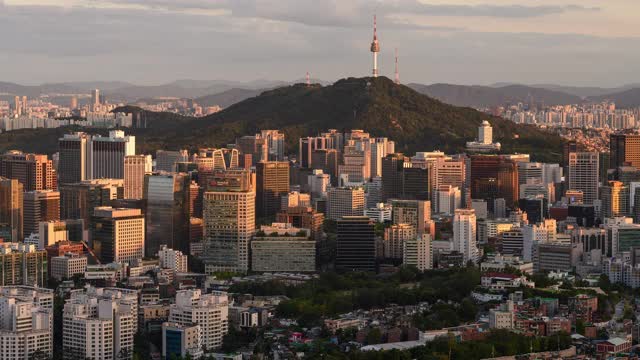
<point x="415" y="121"/>
<point x="226" y="93"/>
<point x="480" y="96"/>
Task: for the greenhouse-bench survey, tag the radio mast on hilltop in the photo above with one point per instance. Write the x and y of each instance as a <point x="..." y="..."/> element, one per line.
<point x="397" y="79"/>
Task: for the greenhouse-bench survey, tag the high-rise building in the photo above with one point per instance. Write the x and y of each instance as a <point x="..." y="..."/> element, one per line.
<point x="494" y="176"/>
<point x="417" y="252"/>
<point x="27" y="322"/>
<point x="43" y="205"/>
<point x="583" y="174"/>
<point x="22" y="264"/>
<point x="78" y="200"/>
<point x="615" y="200"/>
<point x="624" y="150"/>
<point x="108" y="153"/>
<point x="210" y="159"/>
<point x="33" y="171"/>
<point x="166" y="160"/>
<point x="356" y="244"/>
<point x="118" y="234"/>
<point x="229" y="223"/>
<point x="99" y="324"/>
<point x="134" y="172"/>
<point x="394" y="238"/>
<point x="74" y="161"/>
<point x="345" y="202"/>
<point x="303" y="217"/>
<point x="168" y="210"/>
<point x="392" y="175"/>
<point x="448" y="199"/>
<point x="417" y="213"/>
<point x="536" y="207"/>
<point x="356" y="164"/>
<point x="464" y="235"/>
<point x="210" y="311"/>
<point x="275" y="144"/>
<point x="11" y="210"/>
<point x="530" y="173"/>
<point x="95" y="98"/>
<point x="272" y="181"/>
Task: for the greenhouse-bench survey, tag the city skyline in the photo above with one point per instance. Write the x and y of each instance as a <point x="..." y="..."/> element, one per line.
<point x="471" y="42"/>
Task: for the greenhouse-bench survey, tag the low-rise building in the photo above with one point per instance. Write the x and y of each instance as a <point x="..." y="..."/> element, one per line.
<point x="68" y="265"/>
<point x="283" y="248"/>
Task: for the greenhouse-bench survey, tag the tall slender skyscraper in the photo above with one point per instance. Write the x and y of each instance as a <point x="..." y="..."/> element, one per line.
<point x="464" y="235"/>
<point x="11" y="211"/>
<point x="272" y="181"/>
<point x="167" y="212"/>
<point x="375" y="47"/>
<point x="108" y="153"/>
<point x="134" y="171"/>
<point x="74" y="162"/>
<point x="229" y="222"/>
<point x="356" y="244"/>
<point x="583" y="174"/>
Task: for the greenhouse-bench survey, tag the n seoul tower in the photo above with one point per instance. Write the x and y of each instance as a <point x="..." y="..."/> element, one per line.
<point x="375" y="48"/>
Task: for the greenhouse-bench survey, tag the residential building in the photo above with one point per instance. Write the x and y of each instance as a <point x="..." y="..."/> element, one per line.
<point x="22" y="264"/>
<point x="99" y="323"/>
<point x="173" y="259"/>
<point x="26" y="326"/>
<point x="210" y="311"/>
<point x="464" y="235"/>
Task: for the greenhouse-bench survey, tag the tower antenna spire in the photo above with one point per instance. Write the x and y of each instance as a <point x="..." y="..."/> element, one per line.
<point x="397" y="79"/>
<point x="375" y="46"/>
<point x="308" y="79"/>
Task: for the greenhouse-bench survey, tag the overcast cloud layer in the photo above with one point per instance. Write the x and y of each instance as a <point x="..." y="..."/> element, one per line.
<point x="580" y="42"/>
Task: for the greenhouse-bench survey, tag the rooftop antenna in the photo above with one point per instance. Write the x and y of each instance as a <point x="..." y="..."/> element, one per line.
<point x="397" y="79"/>
<point x="308" y="79"/>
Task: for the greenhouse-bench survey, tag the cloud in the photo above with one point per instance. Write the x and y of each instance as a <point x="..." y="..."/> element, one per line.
<point x="348" y="13"/>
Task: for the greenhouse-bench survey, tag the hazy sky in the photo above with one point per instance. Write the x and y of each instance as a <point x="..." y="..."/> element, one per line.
<point x="579" y="42"/>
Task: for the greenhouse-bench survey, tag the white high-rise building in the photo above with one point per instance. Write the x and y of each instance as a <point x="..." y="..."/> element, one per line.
<point x="100" y="324"/>
<point x="449" y="199"/>
<point x="485" y="133"/>
<point x="464" y="234"/>
<point x="210" y="311"/>
<point x="173" y="259"/>
<point x="583" y="174"/>
<point x="318" y="183"/>
<point x="26" y="322"/>
<point x="417" y="252"/>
